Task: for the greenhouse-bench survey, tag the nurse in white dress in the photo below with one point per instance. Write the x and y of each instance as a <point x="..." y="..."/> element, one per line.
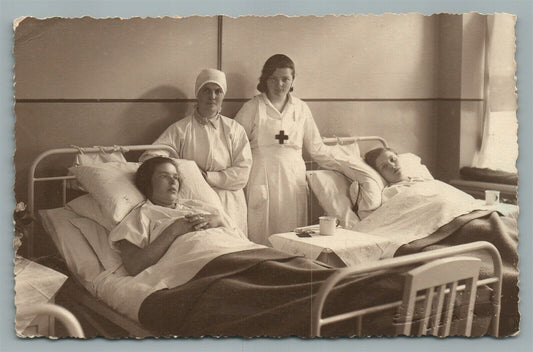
<point x="279" y="125"/>
<point x="217" y="144"/>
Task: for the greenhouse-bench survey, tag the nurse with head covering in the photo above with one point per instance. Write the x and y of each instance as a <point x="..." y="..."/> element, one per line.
<point x="217" y="144"/>
<point x="279" y="126"/>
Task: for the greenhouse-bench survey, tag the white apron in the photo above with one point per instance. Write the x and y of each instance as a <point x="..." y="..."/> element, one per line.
<point x="277" y="189"/>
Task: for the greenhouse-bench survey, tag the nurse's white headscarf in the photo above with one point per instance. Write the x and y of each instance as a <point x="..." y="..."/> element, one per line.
<point x="210" y="75"/>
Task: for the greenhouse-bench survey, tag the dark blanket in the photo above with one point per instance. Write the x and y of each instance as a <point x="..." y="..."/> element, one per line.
<point x="502" y="232"/>
<point x="489" y="175"/>
<point x="264" y="293"/>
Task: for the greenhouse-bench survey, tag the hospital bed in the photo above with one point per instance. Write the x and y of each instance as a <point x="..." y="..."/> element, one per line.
<point x="330" y="186"/>
<point x="84" y="264"/>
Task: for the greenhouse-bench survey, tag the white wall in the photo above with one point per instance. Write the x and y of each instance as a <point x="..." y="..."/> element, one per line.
<point x="90" y="58"/>
<point x="345" y="57"/>
<point x="111" y="81"/>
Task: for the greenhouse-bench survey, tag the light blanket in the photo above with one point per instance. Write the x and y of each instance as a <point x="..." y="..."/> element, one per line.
<point x="184" y="258"/>
<point x="415" y="212"/>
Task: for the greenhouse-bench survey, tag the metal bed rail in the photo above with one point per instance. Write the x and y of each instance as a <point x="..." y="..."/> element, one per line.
<point x="317" y="321"/>
<point x="355" y="139"/>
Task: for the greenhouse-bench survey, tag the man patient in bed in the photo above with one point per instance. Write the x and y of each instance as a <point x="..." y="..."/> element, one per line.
<point x="386" y="162"/>
<point x="449" y="217"/>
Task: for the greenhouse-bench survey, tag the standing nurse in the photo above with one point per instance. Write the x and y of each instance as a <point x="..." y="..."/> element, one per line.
<point x="278" y="125"/>
<point x="217" y="144"/>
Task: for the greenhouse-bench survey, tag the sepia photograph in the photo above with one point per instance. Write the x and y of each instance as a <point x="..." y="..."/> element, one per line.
<point x="266" y="176"/>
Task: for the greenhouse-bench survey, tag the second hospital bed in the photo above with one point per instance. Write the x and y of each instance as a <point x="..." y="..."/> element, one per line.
<point x="81" y="254"/>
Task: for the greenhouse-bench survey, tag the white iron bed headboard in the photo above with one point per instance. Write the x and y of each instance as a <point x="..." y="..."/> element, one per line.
<point x="355" y="139"/>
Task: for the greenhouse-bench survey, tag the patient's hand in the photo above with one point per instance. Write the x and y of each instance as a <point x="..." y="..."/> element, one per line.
<point x="180" y="227"/>
<point x="205" y="221"/>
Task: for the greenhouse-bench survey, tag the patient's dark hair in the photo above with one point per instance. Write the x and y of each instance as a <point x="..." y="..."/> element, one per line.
<point x="143" y="177"/>
<point x="372" y="155"/>
<point x="274" y="62"/>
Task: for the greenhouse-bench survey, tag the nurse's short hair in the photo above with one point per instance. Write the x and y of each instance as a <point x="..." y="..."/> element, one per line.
<point x="143" y="176"/>
<point x="372" y="155"/>
<point x="274" y="62"/>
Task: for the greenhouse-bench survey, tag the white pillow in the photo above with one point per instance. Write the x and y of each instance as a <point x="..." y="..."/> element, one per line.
<point x="194" y="186"/>
<point x="96" y="235"/>
<point x="413" y="167"/>
<point x="112" y="187"/>
<point x="332" y="191"/>
<point x="71" y="244"/>
<point x="94" y="158"/>
<point x="87" y="207"/>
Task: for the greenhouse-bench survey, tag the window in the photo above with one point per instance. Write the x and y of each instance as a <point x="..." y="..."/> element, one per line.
<point x="499" y="147"/>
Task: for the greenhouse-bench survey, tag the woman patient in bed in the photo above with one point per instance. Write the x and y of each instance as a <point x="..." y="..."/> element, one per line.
<point x="151" y="228"/>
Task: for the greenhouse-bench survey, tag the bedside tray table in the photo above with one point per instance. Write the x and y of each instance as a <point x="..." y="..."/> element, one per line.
<point x="344" y="248"/>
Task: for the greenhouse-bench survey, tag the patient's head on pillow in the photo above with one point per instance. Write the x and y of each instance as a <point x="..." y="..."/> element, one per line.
<point x="386" y="162"/>
<point x="158" y="179"/>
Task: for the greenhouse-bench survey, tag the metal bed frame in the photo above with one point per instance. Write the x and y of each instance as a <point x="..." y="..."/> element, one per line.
<point x="318" y="321"/>
<point x="355" y="139"/>
<point x="84" y="299"/>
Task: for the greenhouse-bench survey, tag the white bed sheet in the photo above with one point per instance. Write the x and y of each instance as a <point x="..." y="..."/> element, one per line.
<point x="72" y="245"/>
<point x="113" y="285"/>
<point x="416" y="212"/>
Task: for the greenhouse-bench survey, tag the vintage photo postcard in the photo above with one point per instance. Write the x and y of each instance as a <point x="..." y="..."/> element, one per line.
<point x="334" y="176"/>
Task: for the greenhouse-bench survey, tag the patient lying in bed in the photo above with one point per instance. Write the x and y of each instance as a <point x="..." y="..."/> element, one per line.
<point x="146" y="234"/>
<point x="387" y="163"/>
<point x="418" y="213"/>
<point x="406" y="199"/>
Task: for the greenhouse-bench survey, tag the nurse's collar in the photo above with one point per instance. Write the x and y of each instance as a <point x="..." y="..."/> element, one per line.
<point x="205" y="120"/>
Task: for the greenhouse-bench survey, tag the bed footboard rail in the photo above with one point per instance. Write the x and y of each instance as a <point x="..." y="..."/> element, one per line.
<point x="317" y="321"/>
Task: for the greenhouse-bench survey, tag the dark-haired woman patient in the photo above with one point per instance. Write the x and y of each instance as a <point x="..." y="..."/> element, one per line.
<point x="162" y="218"/>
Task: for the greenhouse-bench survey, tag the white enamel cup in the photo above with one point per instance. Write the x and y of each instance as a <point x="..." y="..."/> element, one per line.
<point x="328" y="225"/>
<point x="492" y="197"/>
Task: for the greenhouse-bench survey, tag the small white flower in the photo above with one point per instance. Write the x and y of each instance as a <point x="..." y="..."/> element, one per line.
<point x="20" y="207"/>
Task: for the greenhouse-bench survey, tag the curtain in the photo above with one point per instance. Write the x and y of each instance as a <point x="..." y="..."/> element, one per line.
<point x="499" y="147"/>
